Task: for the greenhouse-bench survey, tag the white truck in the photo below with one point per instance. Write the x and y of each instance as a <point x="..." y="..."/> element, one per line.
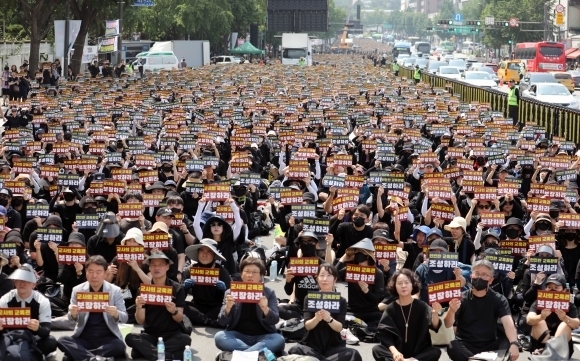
<point x="296" y="46"/>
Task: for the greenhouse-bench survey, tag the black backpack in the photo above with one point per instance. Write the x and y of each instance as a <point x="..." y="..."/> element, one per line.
<point x="257" y="220"/>
<point x="19" y="345"/>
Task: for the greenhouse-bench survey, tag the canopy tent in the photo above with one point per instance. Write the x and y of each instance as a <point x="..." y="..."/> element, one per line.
<point x="573" y="54"/>
<point x="247" y="48"/>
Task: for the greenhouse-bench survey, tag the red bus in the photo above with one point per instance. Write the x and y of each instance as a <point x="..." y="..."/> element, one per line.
<point x="542" y="56"/>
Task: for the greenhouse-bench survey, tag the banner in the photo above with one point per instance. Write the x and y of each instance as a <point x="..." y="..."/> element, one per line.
<point x="329" y="301"/>
<point x="111" y="27"/>
<point x="108" y="45"/>
<point x="89" y="53"/>
<point x="59" y="29"/>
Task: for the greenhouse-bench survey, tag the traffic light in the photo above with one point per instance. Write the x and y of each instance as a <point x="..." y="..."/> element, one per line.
<point x="445" y="22"/>
<point x="509" y="41"/>
<point x="501" y="23"/>
<point x="429" y="28"/>
<point x="474" y="30"/>
<point x="450" y="29"/>
<point x="474" y="22"/>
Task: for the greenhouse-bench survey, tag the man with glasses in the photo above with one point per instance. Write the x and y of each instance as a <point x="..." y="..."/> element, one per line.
<point x="475" y="317"/>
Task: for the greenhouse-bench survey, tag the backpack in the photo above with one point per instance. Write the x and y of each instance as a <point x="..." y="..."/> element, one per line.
<point x="19" y="345"/>
<point x="257" y="220"/>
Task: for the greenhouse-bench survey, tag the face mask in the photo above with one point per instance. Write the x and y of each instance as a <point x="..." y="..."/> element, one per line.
<point x="554" y="214"/>
<point x="167" y="169"/>
<point x="570" y="236"/>
<point x="17" y="202"/>
<point x="479" y="284"/>
<point x="358" y="221"/>
<point x="360" y="257"/>
<point x="543" y="226"/>
<point x="308" y="250"/>
<point x="4" y="202"/>
<point x="175" y="210"/>
<point x="491" y="245"/>
<point x="512" y="233"/>
<point x="69" y="197"/>
<point x="90" y="210"/>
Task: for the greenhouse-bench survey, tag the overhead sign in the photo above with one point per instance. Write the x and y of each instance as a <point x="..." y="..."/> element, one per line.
<point x="489" y="20"/>
<point x="559" y="19"/>
<point x="143" y="3"/>
<point x="514" y="22"/>
<point x="457" y="18"/>
<point x="560" y="8"/>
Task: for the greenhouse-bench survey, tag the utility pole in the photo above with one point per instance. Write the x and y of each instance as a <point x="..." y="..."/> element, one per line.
<point x="66" y="44"/>
<point x="546" y="19"/>
<point x="120" y="39"/>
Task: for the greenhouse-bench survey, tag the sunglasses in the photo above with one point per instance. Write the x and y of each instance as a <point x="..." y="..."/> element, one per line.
<point x="487" y="206"/>
<point x="509" y="203"/>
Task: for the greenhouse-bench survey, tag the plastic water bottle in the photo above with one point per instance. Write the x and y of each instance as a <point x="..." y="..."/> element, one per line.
<point x="160" y="349"/>
<point x="273" y="270"/>
<point x="187" y="354"/>
<point x="269" y="354"/>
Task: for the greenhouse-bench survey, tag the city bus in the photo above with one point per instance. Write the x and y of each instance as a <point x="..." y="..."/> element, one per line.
<point x="423" y="47"/>
<point x="543" y="56"/>
<point x="402" y="48"/>
<point x="448" y="46"/>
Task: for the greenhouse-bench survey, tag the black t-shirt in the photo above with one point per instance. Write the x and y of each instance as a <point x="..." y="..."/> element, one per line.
<point x="96" y="327"/>
<point x="14" y="219"/>
<point x="206" y="298"/>
<point x="158" y="321"/>
<point x="347" y="236"/>
<point x="248" y="324"/>
<point x="553" y="321"/>
<point x="322" y="338"/>
<point x="99" y="246"/>
<point x="476" y="319"/>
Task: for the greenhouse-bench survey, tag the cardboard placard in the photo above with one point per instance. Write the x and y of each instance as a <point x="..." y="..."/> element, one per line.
<point x="49" y="235"/>
<point x="159" y="240"/>
<point x="535" y="242"/>
<point x="130" y="210"/>
<point x="216" y="192"/>
<point x="536" y="204"/>
<point x="555" y="191"/>
<point x="156" y="295"/>
<point x="247" y="292"/>
<point x="225" y="212"/>
<point x="571" y="221"/>
<point x="130" y="253"/>
<point x="548" y="265"/>
<point x="15" y="317"/>
<point x="304" y="266"/>
<point x="153" y="200"/>
<point x="87" y="221"/>
<point x="204" y="276"/>
<point x="316" y="225"/>
<point x="37" y="210"/>
<point x="329" y="301"/>
<point x="355" y="274"/>
<point x="553" y="300"/>
<point x="333" y="181"/>
<point x="444" y="291"/>
<point x="443" y="260"/>
<point x="386" y="251"/>
<point x="92" y="301"/>
<point x="177" y="220"/>
<point x="492" y="219"/>
<point x="519" y="248"/>
<point x="113" y="186"/>
<point x="301" y="211"/>
<point x="501" y="263"/>
<point x="443" y="211"/>
<point x="485" y="193"/>
<point x="71" y="255"/>
<point x="290" y="196"/>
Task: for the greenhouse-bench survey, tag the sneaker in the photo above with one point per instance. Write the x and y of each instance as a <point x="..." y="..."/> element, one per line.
<point x="347" y="336"/>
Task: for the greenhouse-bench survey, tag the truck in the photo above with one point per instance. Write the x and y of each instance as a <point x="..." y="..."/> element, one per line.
<point x="296" y="46"/>
<point x="195" y="52"/>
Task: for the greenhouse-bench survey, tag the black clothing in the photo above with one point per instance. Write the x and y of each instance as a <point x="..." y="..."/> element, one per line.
<point x="69" y="279"/>
<point x="68" y="214"/>
<point x="553" y="321"/>
<point x="6" y="284"/>
<point x="144" y="346"/>
<point x="100" y="246"/>
<point x="207" y="300"/>
<point x="158" y="321"/>
<point x="14" y="219"/>
<point x="346" y="236"/>
<point x="247" y="324"/>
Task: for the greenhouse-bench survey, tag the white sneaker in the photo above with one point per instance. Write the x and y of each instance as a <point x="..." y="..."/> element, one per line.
<point x="347" y="336"/>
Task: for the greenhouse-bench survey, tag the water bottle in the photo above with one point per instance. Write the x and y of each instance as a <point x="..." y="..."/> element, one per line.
<point x="273" y="270"/>
<point x="160" y="349"/>
<point x="187" y="354"/>
<point x="269" y="354"/>
<point x="257" y="242"/>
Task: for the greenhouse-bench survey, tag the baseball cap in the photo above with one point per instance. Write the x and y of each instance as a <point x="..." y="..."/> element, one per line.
<point x="164" y="212"/>
<point x="556" y="279"/>
<point x="438" y="245"/>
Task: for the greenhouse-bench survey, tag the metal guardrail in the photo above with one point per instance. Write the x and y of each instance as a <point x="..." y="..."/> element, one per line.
<point x="559" y="121"/>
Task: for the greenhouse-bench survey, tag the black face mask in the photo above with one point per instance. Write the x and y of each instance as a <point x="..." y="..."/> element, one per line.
<point x="512" y="233"/>
<point x="69" y="197"/>
<point x="479" y="284"/>
<point x="554" y="214"/>
<point x="175" y="210"/>
<point x="491" y="245"/>
<point x="16" y="202"/>
<point x="90" y="210"/>
<point x="167" y="169"/>
<point x="4" y="202"/>
<point x="570" y="236"/>
<point x="543" y="226"/>
<point x="308" y="250"/>
<point x="360" y="257"/>
<point x="358" y="221"/>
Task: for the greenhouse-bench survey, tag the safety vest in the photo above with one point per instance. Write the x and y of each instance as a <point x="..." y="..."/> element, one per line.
<point x="512" y="99"/>
<point x="417" y="74"/>
<point x="395" y="67"/>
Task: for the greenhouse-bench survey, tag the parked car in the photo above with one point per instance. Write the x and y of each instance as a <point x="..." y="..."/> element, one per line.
<point x="535" y="78"/>
<point x="226" y="59"/>
<point x="449" y="72"/>
<point x="478" y="78"/>
<point x="552" y="93"/>
<point x="565" y="79"/>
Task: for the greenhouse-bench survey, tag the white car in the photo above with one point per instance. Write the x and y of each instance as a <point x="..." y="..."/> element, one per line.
<point x="551" y="93"/>
<point x="478" y="78"/>
<point x="449" y="72"/>
<point x="226" y="59"/>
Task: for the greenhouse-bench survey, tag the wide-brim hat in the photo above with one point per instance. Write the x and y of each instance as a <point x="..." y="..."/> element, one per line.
<point x="25" y="274"/>
<point x="220" y="219"/>
<point x="77" y="237"/>
<point x="365" y="243"/>
<point x="192" y="251"/>
<point x="513" y="221"/>
<point x="159" y="255"/>
<point x="287" y="182"/>
<point x="135" y="234"/>
<point x="157" y="185"/>
<point x="457" y="222"/>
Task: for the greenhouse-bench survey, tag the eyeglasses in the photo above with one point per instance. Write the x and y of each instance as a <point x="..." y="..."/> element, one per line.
<point x="486" y="206"/>
<point x="216" y="225"/>
<point x="247" y="272"/>
<point x="481" y="275"/>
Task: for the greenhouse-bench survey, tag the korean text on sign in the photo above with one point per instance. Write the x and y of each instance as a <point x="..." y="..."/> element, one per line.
<point x="15" y="317"/>
<point x="444" y="291"/>
<point x="316" y="225"/>
<point x="204" y="276"/>
<point x="87" y="221"/>
<point x="548" y="265"/>
<point x="518" y="248"/>
<point x="247" y="292"/>
<point x="492" y="219"/>
<point x="386" y="251"/>
<point x="156" y="295"/>
<point x="535" y="242"/>
<point x="443" y="260"/>
<point x="130" y="210"/>
<point x="216" y="192"/>
<point x="329" y="301"/>
<point x="49" y="235"/>
<point x="356" y="273"/>
<point x="71" y="255"/>
<point x="571" y="221"/>
<point x="159" y="240"/>
<point x="305" y="266"/>
<point x="130" y="253"/>
<point x="501" y="263"/>
<point x="553" y="301"/>
<point x="92" y="301"/>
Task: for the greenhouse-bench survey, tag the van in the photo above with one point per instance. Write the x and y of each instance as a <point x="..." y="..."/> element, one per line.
<point x="157" y="60"/>
<point x="509" y="70"/>
<point x="564" y="79"/>
<point x="226" y="59"/>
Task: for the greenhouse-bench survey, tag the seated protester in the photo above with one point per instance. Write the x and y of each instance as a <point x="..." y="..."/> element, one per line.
<point x="427" y="276"/>
<point x="185" y="231"/>
<point x="106" y="239"/>
<point x="546" y="323"/>
<point x="89" y="206"/>
<point x="140" y="223"/>
<point x="160" y="321"/>
<point x="45" y="253"/>
<point x="129" y="275"/>
<point x="165" y="215"/>
<point x="349" y="233"/>
<point x="299" y="286"/>
<point x="96" y="333"/>
<point x="503" y="283"/>
<point x="161" y="227"/>
<point x="207" y="300"/>
<point x="414" y="246"/>
<point x="6" y="284"/>
<point x="323" y="339"/>
<point x="475" y="317"/>
<point x="250" y="326"/>
<point x="24" y="295"/>
<point x="382" y="237"/>
<point x="20" y="258"/>
<point x="219" y="230"/>
<point x="33" y="224"/>
<point x="432" y="234"/>
<point x="462" y="243"/>
<point x="363" y="299"/>
<point x="72" y="275"/>
<point x="404" y="327"/>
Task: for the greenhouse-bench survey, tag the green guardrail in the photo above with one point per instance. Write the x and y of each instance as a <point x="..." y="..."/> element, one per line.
<point x="557" y="120"/>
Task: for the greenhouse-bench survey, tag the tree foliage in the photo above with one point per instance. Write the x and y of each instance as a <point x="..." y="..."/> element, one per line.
<point x="407" y="23"/>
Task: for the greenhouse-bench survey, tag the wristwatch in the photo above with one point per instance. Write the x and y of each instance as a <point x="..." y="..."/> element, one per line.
<point x="175" y="313"/>
<point x="515" y="343"/>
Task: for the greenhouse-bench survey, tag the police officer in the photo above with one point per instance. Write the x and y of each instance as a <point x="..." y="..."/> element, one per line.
<point x="513" y="99"/>
<point x="396" y="68"/>
<point x="417" y="74"/>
